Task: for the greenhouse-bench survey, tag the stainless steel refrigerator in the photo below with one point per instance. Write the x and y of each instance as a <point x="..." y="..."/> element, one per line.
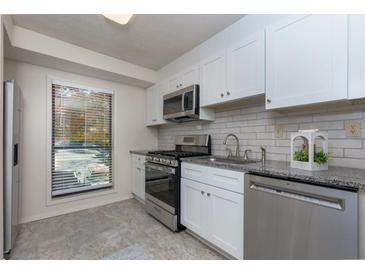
<point x="12" y="129"/>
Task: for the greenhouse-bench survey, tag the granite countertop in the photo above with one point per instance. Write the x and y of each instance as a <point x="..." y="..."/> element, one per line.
<point x="342" y="177"/>
<point x="140" y="152"/>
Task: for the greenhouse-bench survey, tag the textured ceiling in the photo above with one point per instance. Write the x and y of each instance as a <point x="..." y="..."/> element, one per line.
<point x="151" y="41"/>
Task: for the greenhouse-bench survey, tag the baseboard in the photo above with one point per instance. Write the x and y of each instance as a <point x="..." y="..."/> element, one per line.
<point x="212" y="246"/>
<point x="139" y="199"/>
<point x="70" y="210"/>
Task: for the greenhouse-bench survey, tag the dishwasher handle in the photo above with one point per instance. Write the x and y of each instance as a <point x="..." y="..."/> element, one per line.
<point x="335" y="203"/>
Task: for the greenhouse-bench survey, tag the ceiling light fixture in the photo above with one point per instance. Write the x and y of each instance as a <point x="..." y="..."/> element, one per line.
<point x="119" y="18"/>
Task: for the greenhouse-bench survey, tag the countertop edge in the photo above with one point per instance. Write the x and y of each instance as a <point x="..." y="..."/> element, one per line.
<point x="285" y="172"/>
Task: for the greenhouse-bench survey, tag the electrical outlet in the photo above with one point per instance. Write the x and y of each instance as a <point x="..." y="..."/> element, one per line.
<point x="353" y="128"/>
<point x="278" y="131"/>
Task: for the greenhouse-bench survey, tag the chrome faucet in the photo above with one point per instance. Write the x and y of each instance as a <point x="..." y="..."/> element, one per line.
<point x="263" y="155"/>
<point x="237" y="144"/>
<point x="245" y="155"/>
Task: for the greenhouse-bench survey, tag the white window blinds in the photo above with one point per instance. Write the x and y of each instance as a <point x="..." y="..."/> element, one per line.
<point x="81" y="140"/>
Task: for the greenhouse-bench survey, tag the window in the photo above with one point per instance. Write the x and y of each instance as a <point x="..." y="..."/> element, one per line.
<point x="81" y="139"/>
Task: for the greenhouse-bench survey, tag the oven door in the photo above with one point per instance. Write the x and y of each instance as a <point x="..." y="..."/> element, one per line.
<point x="161" y="186"/>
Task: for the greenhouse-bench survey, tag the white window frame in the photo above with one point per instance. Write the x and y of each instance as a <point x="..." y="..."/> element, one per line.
<point x="83" y="195"/>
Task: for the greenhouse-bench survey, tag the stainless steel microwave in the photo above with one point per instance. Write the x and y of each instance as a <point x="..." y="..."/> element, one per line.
<point x="182" y="105"/>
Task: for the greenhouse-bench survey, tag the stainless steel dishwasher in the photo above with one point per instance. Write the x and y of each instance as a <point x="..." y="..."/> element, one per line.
<point x="291" y="220"/>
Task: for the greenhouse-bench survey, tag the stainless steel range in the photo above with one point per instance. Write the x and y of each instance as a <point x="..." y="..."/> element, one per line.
<point x="163" y="178"/>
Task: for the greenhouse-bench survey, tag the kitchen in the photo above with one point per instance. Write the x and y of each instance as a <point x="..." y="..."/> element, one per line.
<point x="246" y="143"/>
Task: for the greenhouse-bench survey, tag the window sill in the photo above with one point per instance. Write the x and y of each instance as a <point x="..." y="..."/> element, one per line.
<point x="80" y="196"/>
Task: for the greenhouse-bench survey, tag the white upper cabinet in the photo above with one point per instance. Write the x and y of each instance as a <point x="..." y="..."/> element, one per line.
<point x="151" y="105"/>
<point x="235" y="73"/>
<point x="155" y="104"/>
<point x="246" y="67"/>
<point x="213" y="79"/>
<point x="306" y="60"/>
<point x="190" y="76"/>
<point x="175" y="83"/>
<point x="356" y="56"/>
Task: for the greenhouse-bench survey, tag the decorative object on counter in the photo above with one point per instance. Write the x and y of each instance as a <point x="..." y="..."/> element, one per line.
<point x="305" y="151"/>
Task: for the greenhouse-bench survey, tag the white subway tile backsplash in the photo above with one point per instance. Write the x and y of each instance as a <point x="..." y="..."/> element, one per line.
<point x="245" y="117"/>
<point x="345" y="143"/>
<point x="348" y="162"/>
<point x="336" y="134"/>
<point x="293" y="119"/>
<point x="338" y="116"/>
<point x="355" y="153"/>
<point x="254" y="126"/>
<point x="323" y="125"/>
<point x="336" y="152"/>
<point x="261" y="142"/>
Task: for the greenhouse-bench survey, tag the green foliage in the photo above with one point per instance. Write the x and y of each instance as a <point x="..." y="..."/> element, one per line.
<point x="319" y="157"/>
<point x="301" y="155"/>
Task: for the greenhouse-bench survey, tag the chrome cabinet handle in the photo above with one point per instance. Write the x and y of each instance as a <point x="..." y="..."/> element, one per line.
<point x="222" y="95"/>
<point x="268" y="100"/>
<point x="202" y="192"/>
<point x="154" y="120"/>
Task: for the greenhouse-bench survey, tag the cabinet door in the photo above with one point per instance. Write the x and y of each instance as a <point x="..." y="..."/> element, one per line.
<point x="135" y="176"/>
<point x="155" y="104"/>
<point x="306" y="60"/>
<point x="141" y="183"/>
<point x="226" y="220"/>
<point x="151" y="106"/>
<point x="213" y="80"/>
<point x="175" y="83"/>
<point x="246" y="67"/>
<point x="190" y="76"/>
<point x="356" y="56"/>
<point x="161" y="89"/>
<point x="194" y="206"/>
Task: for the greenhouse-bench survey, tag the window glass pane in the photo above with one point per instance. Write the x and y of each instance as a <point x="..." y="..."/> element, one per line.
<point x="81" y="140"/>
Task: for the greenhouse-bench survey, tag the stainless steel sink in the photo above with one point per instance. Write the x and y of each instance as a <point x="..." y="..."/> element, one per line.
<point x="231" y="160"/>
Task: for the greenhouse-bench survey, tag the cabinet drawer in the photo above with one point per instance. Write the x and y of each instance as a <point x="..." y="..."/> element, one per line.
<point x="222" y="178"/>
<point x="226" y="179"/>
<point x="193" y="172"/>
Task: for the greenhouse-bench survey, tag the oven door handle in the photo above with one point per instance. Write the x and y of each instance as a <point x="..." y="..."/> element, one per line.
<point x="183" y="103"/>
<point x="166" y="169"/>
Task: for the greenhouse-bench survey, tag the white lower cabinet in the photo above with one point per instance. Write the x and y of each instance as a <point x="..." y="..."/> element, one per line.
<point x="225" y="221"/>
<point x="193" y="206"/>
<point x="138" y="176"/>
<point x="213" y="213"/>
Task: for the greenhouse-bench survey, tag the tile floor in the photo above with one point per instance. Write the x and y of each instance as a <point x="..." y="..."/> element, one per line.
<point x="106" y="232"/>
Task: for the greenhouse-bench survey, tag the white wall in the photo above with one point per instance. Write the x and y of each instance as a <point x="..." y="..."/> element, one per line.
<point x="229" y="36"/>
<point x="129" y="133"/>
<point x="1" y="136"/>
